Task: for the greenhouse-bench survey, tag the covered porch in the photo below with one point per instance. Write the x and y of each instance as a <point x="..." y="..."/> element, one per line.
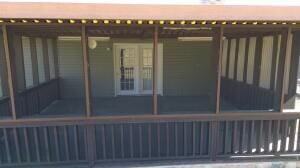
<point x="51" y="79"/>
<point x="94" y="90"/>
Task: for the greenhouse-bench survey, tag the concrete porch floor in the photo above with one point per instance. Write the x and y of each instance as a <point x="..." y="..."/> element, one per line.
<point x="135" y="105"/>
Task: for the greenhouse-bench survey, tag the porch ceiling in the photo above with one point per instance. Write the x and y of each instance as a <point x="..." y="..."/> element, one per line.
<point x="111" y="31"/>
<point x="136" y="31"/>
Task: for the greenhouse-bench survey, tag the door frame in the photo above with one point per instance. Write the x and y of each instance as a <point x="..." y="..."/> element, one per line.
<point x="138" y="91"/>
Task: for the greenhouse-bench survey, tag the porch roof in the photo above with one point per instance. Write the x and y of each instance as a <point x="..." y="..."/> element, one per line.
<point x="147" y="12"/>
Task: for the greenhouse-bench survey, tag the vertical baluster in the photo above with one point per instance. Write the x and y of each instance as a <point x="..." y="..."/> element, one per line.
<point x="185" y="139"/>
<point x="57" y="152"/>
<point x="45" y="130"/>
<point x="176" y="139"/>
<point x="252" y="131"/>
<point x="201" y="145"/>
<point x="66" y="139"/>
<point x="168" y="138"/>
<point x="113" y="142"/>
<point x="103" y="141"/>
<point x="122" y="141"/>
<point x="269" y="136"/>
<point x="227" y="138"/>
<point x="75" y="132"/>
<point x="158" y="139"/>
<point x="194" y="138"/>
<point x="131" y="141"/>
<point x="16" y="140"/>
<point x="284" y="136"/>
<point x="259" y="137"/>
<point x="149" y="140"/>
<point x="292" y="135"/>
<point x="36" y="142"/>
<point x="243" y="138"/>
<point x="140" y="140"/>
<point x="235" y="137"/>
<point x="298" y="136"/>
<point x="28" y="156"/>
<point x="8" y="154"/>
<point x="276" y="136"/>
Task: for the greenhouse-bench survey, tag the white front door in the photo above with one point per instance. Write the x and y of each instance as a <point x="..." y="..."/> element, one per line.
<point x="133" y="69"/>
<point x="127" y="69"/>
<point x="146" y="69"/>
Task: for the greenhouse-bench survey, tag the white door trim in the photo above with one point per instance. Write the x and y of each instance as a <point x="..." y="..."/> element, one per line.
<point x="137" y="92"/>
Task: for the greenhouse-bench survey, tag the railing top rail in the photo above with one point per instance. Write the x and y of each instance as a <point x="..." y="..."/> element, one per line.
<point x="146" y="118"/>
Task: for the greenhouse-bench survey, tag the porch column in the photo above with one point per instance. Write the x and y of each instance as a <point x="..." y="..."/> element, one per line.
<point x="218" y="43"/>
<point x="11" y="86"/>
<point x="154" y="70"/>
<point x="86" y="69"/>
<point x="280" y="85"/>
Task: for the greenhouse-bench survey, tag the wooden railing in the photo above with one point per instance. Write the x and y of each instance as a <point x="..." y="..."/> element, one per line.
<point x="29" y="141"/>
<point x="246" y="96"/>
<point x="33" y="100"/>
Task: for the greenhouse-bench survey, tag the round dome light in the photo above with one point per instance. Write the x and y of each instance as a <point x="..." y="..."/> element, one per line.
<point x="92" y="44"/>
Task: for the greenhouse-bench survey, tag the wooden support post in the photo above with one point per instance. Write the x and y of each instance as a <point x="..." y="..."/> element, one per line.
<point x="86" y="69"/>
<point x="219" y="47"/>
<point x="154" y="70"/>
<point x="279" y="98"/>
<point x="11" y="86"/>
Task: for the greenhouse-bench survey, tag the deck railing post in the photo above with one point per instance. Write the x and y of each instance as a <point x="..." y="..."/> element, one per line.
<point x="86" y="69"/>
<point x="10" y="78"/>
<point x="90" y="140"/>
<point x="218" y="40"/>
<point x="154" y="70"/>
<point x="213" y="139"/>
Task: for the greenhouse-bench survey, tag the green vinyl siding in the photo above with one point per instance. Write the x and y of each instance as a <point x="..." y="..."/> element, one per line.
<point x="186" y="68"/>
<point x="102" y="70"/>
<point x="70" y="69"/>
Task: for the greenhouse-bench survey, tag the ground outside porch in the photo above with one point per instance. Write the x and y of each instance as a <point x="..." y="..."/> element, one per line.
<point x="247" y="163"/>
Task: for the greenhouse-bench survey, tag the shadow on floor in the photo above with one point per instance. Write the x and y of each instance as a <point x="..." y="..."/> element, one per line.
<point x="136" y="105"/>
